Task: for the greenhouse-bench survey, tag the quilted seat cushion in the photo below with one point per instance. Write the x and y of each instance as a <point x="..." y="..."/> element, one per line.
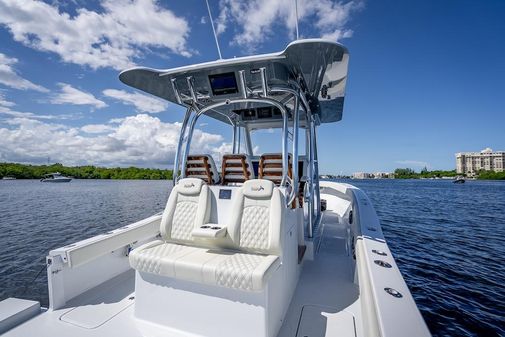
<point x="157" y="257"/>
<point x="243" y="271"/>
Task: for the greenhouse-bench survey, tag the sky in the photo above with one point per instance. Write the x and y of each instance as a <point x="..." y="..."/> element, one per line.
<point x="426" y="78"/>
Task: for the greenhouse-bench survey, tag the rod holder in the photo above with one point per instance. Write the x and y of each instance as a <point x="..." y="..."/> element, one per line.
<point x="243" y="86"/>
<point x="176" y="91"/>
<point x="264" y="84"/>
<point x="191" y="87"/>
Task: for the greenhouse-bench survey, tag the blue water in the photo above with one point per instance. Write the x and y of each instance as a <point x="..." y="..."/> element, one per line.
<point x="448" y="239"/>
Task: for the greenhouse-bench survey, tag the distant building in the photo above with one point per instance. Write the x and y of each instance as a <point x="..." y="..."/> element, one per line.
<point x="472" y="162"/>
<point x="383" y="175"/>
<point x="377" y="175"/>
<point x="362" y="175"/>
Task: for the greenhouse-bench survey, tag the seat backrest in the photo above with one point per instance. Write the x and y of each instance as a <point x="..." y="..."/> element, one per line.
<point x="270" y="167"/>
<point x="257" y="217"/>
<point x="236" y="168"/>
<point x="202" y="166"/>
<point x="188" y="207"/>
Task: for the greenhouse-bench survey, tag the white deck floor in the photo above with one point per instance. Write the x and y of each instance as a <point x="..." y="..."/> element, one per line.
<point x="326" y="301"/>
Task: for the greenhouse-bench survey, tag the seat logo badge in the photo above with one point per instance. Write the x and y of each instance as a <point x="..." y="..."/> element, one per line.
<point x="189" y="185"/>
<point x="257" y="189"/>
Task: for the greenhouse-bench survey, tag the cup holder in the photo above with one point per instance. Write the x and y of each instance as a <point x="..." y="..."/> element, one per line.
<point x="215" y="228"/>
<point x="204" y="226"/>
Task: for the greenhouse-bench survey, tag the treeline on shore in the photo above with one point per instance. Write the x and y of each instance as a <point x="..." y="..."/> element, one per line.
<point x="22" y="171"/>
<point x="407" y="173"/>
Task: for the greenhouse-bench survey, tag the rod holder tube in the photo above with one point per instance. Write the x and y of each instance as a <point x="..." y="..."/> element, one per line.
<point x="176" y="90"/>
<point x="191" y="87"/>
<point x="294" y="191"/>
<point x="182" y="137"/>
<point x="310" y="181"/>
<point x="317" y="192"/>
<point x="243" y="87"/>
<point x="188" y="145"/>
<point x="285" y="151"/>
<point x="234" y="139"/>
<point x="264" y="84"/>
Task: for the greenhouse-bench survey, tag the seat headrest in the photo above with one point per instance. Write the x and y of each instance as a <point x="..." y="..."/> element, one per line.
<point x="258" y="188"/>
<point x="190" y="186"/>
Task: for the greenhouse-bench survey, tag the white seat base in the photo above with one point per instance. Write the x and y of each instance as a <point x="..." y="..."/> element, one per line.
<point x="225" y="268"/>
<point x="205" y="310"/>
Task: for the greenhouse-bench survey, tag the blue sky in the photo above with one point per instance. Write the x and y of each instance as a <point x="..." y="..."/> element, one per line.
<point x="426" y="78"/>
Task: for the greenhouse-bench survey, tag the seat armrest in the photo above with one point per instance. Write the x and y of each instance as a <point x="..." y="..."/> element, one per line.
<point x="210" y="231"/>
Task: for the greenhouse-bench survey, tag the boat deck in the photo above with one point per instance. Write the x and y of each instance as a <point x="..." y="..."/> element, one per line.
<point x="326" y="300"/>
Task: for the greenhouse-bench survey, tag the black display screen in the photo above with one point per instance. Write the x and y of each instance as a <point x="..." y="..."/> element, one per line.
<point x="264" y="112"/>
<point x="223" y="84"/>
<point x="248" y="114"/>
<point x="224" y="194"/>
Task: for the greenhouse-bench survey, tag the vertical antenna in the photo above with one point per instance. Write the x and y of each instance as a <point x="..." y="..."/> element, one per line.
<point x="296" y="21"/>
<point x="214" y="30"/>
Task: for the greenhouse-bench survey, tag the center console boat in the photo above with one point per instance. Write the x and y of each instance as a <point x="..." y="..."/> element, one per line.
<point x="259" y="247"/>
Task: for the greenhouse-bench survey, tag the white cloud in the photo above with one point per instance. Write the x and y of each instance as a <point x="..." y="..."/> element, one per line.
<point x="4" y="102"/>
<point x="116" y="120"/>
<point x="257" y="19"/>
<point x="113" y="38"/>
<point x="415" y="163"/>
<point x="71" y="95"/>
<point x="142" y="103"/>
<point x="140" y="140"/>
<point x="31" y="115"/>
<point x="6" y="110"/>
<point x="97" y="128"/>
<point x="10" y="78"/>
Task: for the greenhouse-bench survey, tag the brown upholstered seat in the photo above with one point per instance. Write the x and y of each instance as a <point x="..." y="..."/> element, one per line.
<point x="236" y="168"/>
<point x="202" y="166"/>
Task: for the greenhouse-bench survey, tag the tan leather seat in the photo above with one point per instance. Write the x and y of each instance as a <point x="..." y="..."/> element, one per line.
<point x="202" y="166"/>
<point x="270" y="167"/>
<point x="236" y="169"/>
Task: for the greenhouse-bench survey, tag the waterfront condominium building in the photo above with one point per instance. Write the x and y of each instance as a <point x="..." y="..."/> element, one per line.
<point x="473" y="162"/>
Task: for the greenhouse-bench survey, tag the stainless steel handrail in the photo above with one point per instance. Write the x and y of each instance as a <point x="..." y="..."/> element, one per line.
<point x="175" y="173"/>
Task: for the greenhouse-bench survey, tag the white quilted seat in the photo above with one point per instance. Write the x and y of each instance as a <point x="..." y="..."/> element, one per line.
<point x="220" y="290"/>
<point x="187" y="207"/>
<point x="255" y="227"/>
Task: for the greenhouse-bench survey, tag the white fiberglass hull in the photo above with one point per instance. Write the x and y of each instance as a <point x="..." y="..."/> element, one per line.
<point x="56" y="180"/>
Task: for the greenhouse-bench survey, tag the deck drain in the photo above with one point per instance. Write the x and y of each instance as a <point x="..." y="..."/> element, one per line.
<point x="382" y="263"/>
<point x="393" y="292"/>
<point x="379" y="252"/>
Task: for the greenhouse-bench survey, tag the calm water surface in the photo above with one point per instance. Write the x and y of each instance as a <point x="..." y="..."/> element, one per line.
<point x="448" y="239"/>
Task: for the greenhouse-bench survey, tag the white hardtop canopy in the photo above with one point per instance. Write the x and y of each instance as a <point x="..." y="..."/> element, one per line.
<point x="314" y="68"/>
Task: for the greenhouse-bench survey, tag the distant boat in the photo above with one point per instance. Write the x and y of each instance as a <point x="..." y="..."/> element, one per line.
<point x="8" y="178"/>
<point x="55" y="178"/>
<point x="459" y="180"/>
